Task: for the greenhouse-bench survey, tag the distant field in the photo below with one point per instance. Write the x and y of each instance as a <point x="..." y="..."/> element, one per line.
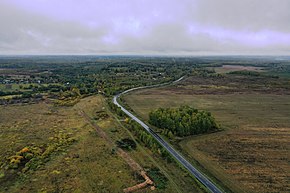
<point x="14" y="87"/>
<point x="4" y="87"/>
<point x="231" y="68"/>
<point x="251" y="154"/>
<point x="231" y="110"/>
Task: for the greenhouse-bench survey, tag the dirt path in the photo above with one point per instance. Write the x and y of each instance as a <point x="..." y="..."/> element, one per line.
<point x="132" y="163"/>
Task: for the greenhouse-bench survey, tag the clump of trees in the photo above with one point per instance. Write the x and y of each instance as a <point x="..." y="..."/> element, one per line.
<point x="160" y="181"/>
<point x="246" y="73"/>
<point x="183" y="121"/>
<point x="115" y="108"/>
<point x="144" y="137"/>
<point x="127" y="144"/>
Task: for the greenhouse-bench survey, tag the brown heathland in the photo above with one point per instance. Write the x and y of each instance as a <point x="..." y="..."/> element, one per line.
<point x="252" y="153"/>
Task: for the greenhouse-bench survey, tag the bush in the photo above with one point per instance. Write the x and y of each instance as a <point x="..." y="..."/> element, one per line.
<point x="21" y="158"/>
<point x="160" y="181"/>
<point x="127" y="144"/>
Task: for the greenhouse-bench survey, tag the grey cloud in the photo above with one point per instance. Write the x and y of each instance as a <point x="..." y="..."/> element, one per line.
<point x="23" y="32"/>
<point x="245" y="14"/>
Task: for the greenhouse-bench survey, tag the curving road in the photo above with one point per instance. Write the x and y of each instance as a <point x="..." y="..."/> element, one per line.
<point x="203" y="179"/>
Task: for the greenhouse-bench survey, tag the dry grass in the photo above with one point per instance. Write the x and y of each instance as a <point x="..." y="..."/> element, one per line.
<point x="232" y="110"/>
<point x="88" y="165"/>
<point x="252" y="154"/>
<point x="81" y="167"/>
<point x="232" y="68"/>
<point x="254" y="158"/>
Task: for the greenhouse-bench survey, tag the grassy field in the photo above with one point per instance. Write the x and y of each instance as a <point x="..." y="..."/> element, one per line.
<point x="251" y="153"/>
<point x="17" y="87"/>
<point x="232" y="111"/>
<point x="231" y="68"/>
<point x="79" y="159"/>
<point x="79" y="166"/>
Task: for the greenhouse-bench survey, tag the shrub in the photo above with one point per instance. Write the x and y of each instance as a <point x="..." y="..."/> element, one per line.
<point x="127" y="144"/>
<point x="160" y="181"/>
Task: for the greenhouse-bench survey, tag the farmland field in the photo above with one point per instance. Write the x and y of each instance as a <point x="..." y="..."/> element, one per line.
<point x="251" y="153"/>
<point x="231" y="68"/>
<point x="60" y="132"/>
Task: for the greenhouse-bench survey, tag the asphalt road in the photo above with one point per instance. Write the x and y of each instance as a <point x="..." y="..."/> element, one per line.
<point x="203" y="179"/>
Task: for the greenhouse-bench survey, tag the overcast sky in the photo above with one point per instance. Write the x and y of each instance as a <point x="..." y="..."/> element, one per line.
<point x="180" y="27"/>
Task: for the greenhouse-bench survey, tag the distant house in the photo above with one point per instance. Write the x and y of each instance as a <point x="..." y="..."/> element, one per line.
<point x="6" y="81"/>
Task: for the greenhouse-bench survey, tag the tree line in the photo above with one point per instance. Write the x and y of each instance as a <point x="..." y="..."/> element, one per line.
<point x="148" y="140"/>
<point x="183" y="121"/>
<point x="142" y="135"/>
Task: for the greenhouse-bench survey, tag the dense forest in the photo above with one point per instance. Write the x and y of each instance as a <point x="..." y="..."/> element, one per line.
<point x="183" y="121"/>
<point x="30" y="79"/>
<point x="65" y="79"/>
